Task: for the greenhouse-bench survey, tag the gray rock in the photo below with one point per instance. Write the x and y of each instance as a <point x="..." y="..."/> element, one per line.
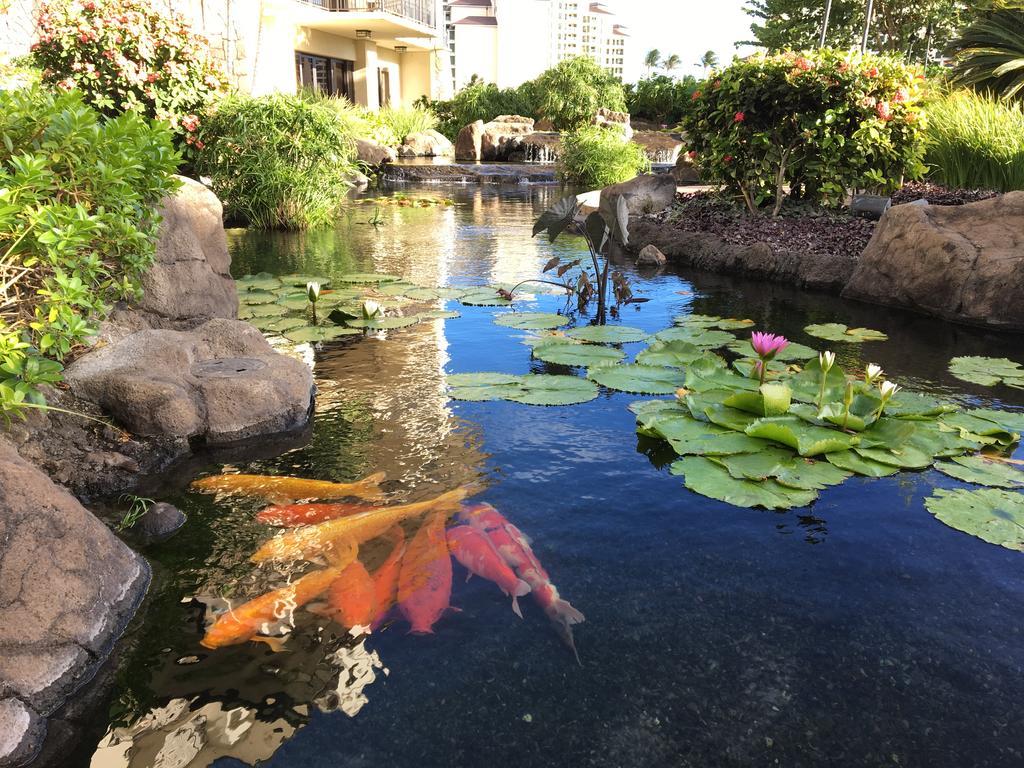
<point x="191" y="276"/>
<point x="609" y="118"/>
<point x="468" y="142"/>
<point x="159" y="522"/>
<point x="503" y="135"/>
<point x="21" y="733"/>
<point x="650" y="193"/>
<point x="373" y="154"/>
<point x="961" y="263"/>
<point x="221" y="381"/>
<point x="650" y="256"/>
<point x="426" y="144"/>
<point x="67" y="584"/>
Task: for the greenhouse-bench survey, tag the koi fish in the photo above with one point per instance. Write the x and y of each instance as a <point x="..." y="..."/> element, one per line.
<point x="311" y="540"/>
<point x="246" y="621"/>
<point x="513" y="545"/>
<point x="425" y="579"/>
<point x="385" y="578"/>
<point x="471" y="547"/>
<point x="294" y="515"/>
<point x="351" y="599"/>
<point x="290" y="488"/>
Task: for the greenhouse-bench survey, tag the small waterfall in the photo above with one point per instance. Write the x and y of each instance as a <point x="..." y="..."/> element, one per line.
<point x="663" y="156"/>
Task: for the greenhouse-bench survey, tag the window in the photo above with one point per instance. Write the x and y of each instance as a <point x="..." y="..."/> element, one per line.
<point x="331" y="76"/>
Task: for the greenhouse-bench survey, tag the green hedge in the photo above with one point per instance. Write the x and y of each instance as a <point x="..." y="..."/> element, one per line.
<point x="78" y="226"/>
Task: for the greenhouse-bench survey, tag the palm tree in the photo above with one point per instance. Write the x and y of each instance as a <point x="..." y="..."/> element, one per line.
<point x="709" y="60"/>
<point x="652" y="59"/>
<point x="672" y="62"/>
<point x="989" y="54"/>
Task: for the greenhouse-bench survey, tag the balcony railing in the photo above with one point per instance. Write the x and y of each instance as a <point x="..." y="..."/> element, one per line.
<point x="421" y="11"/>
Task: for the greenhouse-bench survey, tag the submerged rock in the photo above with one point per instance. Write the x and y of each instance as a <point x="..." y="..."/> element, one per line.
<point x="220" y="382"/>
<point x="961" y="263"/>
<point x="160" y="522"/>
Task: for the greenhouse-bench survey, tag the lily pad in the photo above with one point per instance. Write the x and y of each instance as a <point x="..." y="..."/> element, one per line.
<point x="856" y="463"/>
<point x="991" y="514"/>
<point x="264" y="281"/>
<point x="988" y="371"/>
<point x="382" y="323"/>
<point x="713" y="321"/>
<point x="641" y="379"/>
<point x="806" y="439"/>
<point x="257" y="297"/>
<point x="294" y="301"/>
<point x="307" y="333"/>
<point x="484" y="297"/>
<point x="907" y="457"/>
<point x="439" y="314"/>
<point x="674" y="354"/>
<point x="542" y="389"/>
<point x="688" y="436"/>
<point x="367" y="277"/>
<point x="782" y="466"/>
<point x="263" y="310"/>
<point x="531" y="321"/>
<point x="709" y="338"/>
<point x="792" y="351"/>
<point x="280" y="324"/>
<point x="1011" y="421"/>
<point x="608" y="334"/>
<point x="840" y="332"/>
<point x="574" y="353"/>
<point x="982" y="471"/>
<point x="710" y="478"/>
<point x="304" y="280"/>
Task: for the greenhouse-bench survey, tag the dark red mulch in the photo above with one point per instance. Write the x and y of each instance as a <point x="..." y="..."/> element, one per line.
<point x="799" y="229"/>
<point x="936" y="194"/>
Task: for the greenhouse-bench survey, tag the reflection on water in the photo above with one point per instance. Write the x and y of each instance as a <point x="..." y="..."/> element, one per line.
<point x="856" y="632"/>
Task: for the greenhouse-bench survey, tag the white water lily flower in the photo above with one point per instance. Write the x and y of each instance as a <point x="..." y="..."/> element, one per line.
<point x="888" y="389"/>
<point x="826" y="360"/>
<point x="873" y="372"/>
<point x="370" y="309"/>
<point x="313" y="291"/>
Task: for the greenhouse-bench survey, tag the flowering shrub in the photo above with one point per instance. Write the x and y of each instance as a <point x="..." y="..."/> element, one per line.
<point x="128" y="55"/>
<point x="821" y="124"/>
<point x="78" y="226"/>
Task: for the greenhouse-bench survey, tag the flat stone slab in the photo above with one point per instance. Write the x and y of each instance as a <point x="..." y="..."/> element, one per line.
<point x="221" y="382"/>
<point x="470" y="173"/>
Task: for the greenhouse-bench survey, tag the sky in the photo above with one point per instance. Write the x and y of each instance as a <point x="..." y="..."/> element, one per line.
<point x="685" y="27"/>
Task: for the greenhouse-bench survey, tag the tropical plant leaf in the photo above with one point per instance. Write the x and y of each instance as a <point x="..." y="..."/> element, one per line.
<point x="616" y="217"/>
<point x="609" y="334"/>
<point x="709" y="478"/>
<point x="991" y="514"/>
<point x="576" y="353"/>
<point x="556" y="218"/>
<point x="640" y="379"/>
<point x="806" y="439"/>
<point x="673" y="354"/>
<point x="988" y="371"/>
<point x="853" y="462"/>
<point x="531" y="321"/>
<point x="982" y="471"/>
<point x="840" y="332"/>
<point x="597" y="231"/>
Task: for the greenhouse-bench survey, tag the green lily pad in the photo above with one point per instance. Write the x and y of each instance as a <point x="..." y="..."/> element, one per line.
<point x="713" y="321"/>
<point x="782" y="466"/>
<point x="674" y="354"/>
<point x="791" y="352"/>
<point x="707" y="374"/>
<point x="747" y="368"/>
<point x="806" y="439"/>
<point x="264" y="281"/>
<point x="439" y="314"/>
<point x="914" y="405"/>
<point x="281" y="324"/>
<point x="307" y="333"/>
<point x="484" y="297"/>
<point x="641" y="379"/>
<point x="839" y="332"/>
<point x="263" y="310"/>
<point x="687" y="436"/>
<point x="367" y="277"/>
<point x="978" y="428"/>
<point x="988" y="371"/>
<point x="993" y="515"/>
<point x="542" y="389"/>
<point x="575" y="353"/>
<point x="982" y="471"/>
<point x="304" y="280"/>
<point x="294" y="301"/>
<point x="709" y="478"/>
<point x="382" y="323"/>
<point x="608" y="334"/>
<point x="856" y="463"/>
<point x="1010" y="421"/>
<point x="531" y="321"/>
<point x="907" y="457"/>
<point x="730" y="418"/>
<point x="257" y="297"/>
<point x="709" y="338"/>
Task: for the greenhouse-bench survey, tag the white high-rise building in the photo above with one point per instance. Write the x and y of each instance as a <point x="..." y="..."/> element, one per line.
<point x="508" y="42"/>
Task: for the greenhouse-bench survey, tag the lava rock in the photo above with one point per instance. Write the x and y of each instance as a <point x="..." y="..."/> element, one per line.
<point x="22" y="732"/>
<point x="468" y="142"/>
<point x="160" y="522"/>
<point x="650" y="256"/>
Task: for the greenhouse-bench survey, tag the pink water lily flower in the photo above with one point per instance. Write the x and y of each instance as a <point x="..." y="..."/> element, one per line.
<point x="768" y="345"/>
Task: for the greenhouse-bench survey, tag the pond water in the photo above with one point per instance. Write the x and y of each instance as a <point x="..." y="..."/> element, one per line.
<point x="859" y="631"/>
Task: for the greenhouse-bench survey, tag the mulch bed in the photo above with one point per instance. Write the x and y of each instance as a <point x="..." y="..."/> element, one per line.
<point x="939" y="195"/>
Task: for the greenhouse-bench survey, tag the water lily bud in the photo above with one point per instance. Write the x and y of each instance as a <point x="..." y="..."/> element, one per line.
<point x="313" y="291"/>
<point x="873" y="372"/>
<point x="826" y="360"/>
<point x="370" y="309"/>
<point x="888" y="389"/>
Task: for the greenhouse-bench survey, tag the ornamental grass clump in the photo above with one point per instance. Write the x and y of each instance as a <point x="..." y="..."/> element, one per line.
<point x="813" y="126"/>
<point x="976" y="142"/>
<point x="595" y="157"/>
<point x="283" y="161"/>
<point x="78" y="227"/>
<point x="404" y="121"/>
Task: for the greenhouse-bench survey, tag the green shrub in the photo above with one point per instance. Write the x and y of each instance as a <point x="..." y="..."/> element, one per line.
<point x="571" y="92"/>
<point x="821" y="123"/>
<point x="128" y="55"/>
<point x="660" y="98"/>
<point x="595" y="157"/>
<point x="281" y="161"/>
<point x="78" y="226"/>
<point x="976" y="142"/>
<point x="481" y="101"/>
<point x="403" y="121"/>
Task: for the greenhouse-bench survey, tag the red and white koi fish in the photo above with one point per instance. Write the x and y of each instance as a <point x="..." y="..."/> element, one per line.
<point x="293" y="515"/>
<point x="471" y="547"/>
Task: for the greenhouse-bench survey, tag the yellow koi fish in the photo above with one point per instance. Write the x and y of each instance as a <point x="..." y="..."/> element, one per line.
<point x="290" y="488"/>
<point x="312" y="540"/>
<point x="244" y="622"/>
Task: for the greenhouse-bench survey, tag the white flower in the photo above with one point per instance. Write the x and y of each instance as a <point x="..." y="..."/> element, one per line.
<point x="873" y="372"/>
<point x="313" y="291"/>
<point x="826" y="360"/>
<point x="888" y="389"/>
<point x="370" y="309"/>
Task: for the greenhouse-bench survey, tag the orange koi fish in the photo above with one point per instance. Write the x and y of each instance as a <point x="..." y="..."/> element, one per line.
<point x="351" y="598"/>
<point x="425" y="579"/>
<point x="385" y="578"/>
<point x="245" y="622"/>
<point x="471" y="547"/>
<point x="290" y="488"/>
<point x="294" y="515"/>
<point x="311" y="540"/>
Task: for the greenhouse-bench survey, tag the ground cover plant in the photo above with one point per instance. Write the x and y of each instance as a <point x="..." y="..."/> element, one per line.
<point x="78" y="226"/>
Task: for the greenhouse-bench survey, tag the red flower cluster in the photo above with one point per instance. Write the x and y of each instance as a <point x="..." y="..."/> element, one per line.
<point x="739" y="117"/>
<point x="884" y="111"/>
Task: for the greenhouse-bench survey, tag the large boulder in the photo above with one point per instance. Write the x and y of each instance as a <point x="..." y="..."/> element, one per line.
<point x="609" y="118"/>
<point x="372" y="154"/>
<point x="191" y="277"/>
<point x="68" y="587"/>
<point x="221" y="382"/>
<point x="503" y="135"/>
<point x="468" y="144"/>
<point x="962" y="263"/>
<point x="649" y="193"/>
<point x="426" y="144"/>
